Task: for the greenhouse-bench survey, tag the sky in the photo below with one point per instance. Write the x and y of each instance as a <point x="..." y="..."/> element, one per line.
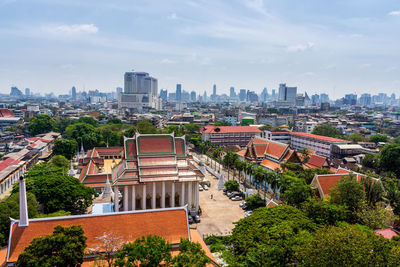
<point x="336" y="47"/>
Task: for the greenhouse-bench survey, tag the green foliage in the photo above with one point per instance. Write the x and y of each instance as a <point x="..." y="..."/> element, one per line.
<point x="41" y="124"/>
<point x="9" y="208"/>
<point x="348" y="245"/>
<point x="148" y="250"/>
<point x="89" y="120"/>
<point x="130" y="132"/>
<point x="306" y="174"/>
<point x="255" y="201"/>
<point x="64" y="247"/>
<point x="62" y="124"/>
<point x="59" y="213"/>
<point x="114" y="121"/>
<point x="294" y="190"/>
<point x="231" y="185"/>
<point x="146" y="127"/>
<point x="64" y="147"/>
<point x="369" y="161"/>
<point x="323" y="212"/>
<point x="270" y="236"/>
<point x="326" y="130"/>
<point x="190" y="254"/>
<point x="376" y="138"/>
<point x="389" y="158"/>
<point x="83" y="132"/>
<point x="375" y="217"/>
<point x="60" y="161"/>
<point x="348" y="192"/>
<point x="356" y="137"/>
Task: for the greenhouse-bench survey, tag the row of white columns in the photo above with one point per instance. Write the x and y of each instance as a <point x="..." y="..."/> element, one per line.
<point x="153" y="185"/>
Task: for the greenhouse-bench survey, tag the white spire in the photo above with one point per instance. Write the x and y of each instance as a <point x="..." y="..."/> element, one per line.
<point x="71" y="170"/>
<point x="107" y="189"/>
<point x="23" y="205"/>
<point x="82" y="150"/>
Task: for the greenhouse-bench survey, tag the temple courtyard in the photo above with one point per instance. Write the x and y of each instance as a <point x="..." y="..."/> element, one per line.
<point x="219" y="213"/>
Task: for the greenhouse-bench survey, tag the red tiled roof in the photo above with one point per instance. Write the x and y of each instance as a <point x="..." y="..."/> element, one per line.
<point x="157" y="171"/>
<point x="157" y="161"/>
<point x="270" y="164"/>
<point x="276" y="149"/>
<point x="169" y="224"/>
<point x="260" y="149"/>
<point x="288" y="155"/>
<point x="8" y="162"/>
<point x="241" y="152"/>
<point x="230" y="129"/>
<point x="327" y="182"/>
<point x="179" y="144"/>
<point x="342" y="171"/>
<point x="5" y="112"/>
<point x="316" y="161"/>
<point x="320" y="137"/>
<point x="386" y="233"/>
<point x="156" y="144"/>
<point x="257" y="140"/>
<point x="3" y="257"/>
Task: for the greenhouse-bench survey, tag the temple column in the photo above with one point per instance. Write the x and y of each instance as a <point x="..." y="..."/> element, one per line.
<point x="197" y="195"/>
<point x="116" y="199"/>
<point x="172" y="199"/>
<point x="126" y="198"/>
<point x="133" y="197"/>
<point x="163" y="195"/>
<point x="190" y="191"/>
<point x="182" y="200"/>
<point x="154" y="196"/>
<point x="144" y="197"/>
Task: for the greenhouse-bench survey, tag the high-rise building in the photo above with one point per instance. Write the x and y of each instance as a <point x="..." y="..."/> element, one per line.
<point x="178" y="93"/>
<point x="73" y="93"/>
<point x="27" y="92"/>
<point x="193" y="96"/>
<point x="205" y="98"/>
<point x="287" y="94"/>
<point x="315" y="99"/>
<point x="214" y="93"/>
<point x="15" y="92"/>
<point x="273" y="94"/>
<point x="242" y="95"/>
<point x="118" y="90"/>
<point x="164" y="95"/>
<point x="232" y="92"/>
<point x="264" y="95"/>
<point x="350" y="99"/>
<point x="365" y="100"/>
<point x="324" y="98"/>
<point x="140" y="91"/>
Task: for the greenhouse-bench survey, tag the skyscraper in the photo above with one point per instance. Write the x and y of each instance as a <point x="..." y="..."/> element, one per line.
<point x="214" y="94"/>
<point x="264" y="95"/>
<point x="232" y="92"/>
<point x="242" y="95"/>
<point x="164" y="95"/>
<point x="324" y="98"/>
<point x="178" y="94"/>
<point x="193" y="96"/>
<point x="73" y="93"/>
<point x="27" y="92"/>
<point x="287" y="93"/>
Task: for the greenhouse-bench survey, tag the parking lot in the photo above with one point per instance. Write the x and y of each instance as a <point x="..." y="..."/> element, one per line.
<point x="218" y="213"/>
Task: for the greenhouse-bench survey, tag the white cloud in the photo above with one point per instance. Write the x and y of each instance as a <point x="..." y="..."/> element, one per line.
<point x="167" y="61"/>
<point x="394" y="13"/>
<point x="74" y="29"/>
<point x="256" y="5"/>
<point x="300" y="47"/>
<point x="172" y="16"/>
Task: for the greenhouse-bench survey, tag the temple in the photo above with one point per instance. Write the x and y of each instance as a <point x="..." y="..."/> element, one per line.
<point x="150" y="171"/>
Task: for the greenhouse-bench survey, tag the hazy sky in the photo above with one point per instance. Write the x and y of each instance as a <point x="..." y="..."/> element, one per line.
<point x="337" y="46"/>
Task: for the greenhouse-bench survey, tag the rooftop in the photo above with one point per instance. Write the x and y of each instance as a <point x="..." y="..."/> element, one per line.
<point x="229" y="129"/>
<point x="320" y="137"/>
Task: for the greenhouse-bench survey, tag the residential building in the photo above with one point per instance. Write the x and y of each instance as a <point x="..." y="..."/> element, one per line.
<point x="229" y="135"/>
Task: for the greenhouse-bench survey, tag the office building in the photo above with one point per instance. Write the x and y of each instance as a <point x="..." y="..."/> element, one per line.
<point x="15" y="92"/>
<point x="164" y="95"/>
<point x="287" y="94"/>
<point x="140" y="92"/>
<point x="229" y="135"/>
<point x="264" y="95"/>
<point x="27" y="92"/>
<point x="232" y="92"/>
<point x="350" y="99"/>
<point x="324" y="98"/>
<point x="242" y="95"/>
<point x="178" y="93"/>
<point x="193" y="96"/>
<point x="365" y="100"/>
<point x="73" y="93"/>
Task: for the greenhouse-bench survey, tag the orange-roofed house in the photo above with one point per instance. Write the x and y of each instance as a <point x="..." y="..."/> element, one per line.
<point x="229" y="135"/>
<point x="316" y="161"/>
<point x="270" y="154"/>
<point x="150" y="171"/>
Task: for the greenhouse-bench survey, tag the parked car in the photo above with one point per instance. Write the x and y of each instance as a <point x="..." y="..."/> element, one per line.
<point x="200" y="188"/>
<point x="196" y="218"/>
<point x="233" y="193"/>
<point x="244" y="207"/>
<point x="236" y="198"/>
<point x="190" y="219"/>
<point x="205" y="187"/>
<point x="242" y="204"/>
<point x="248" y="213"/>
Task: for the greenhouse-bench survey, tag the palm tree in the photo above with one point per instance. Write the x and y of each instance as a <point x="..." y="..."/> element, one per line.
<point x="275" y="181"/>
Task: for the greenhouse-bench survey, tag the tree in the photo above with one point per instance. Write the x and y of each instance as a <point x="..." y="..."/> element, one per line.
<point x="295" y="191"/>
<point x="9" y="208"/>
<point x="347" y="245"/>
<point x="64" y="247"/>
<point x="83" y="132"/>
<point x="270" y="236"/>
<point x="64" y="147"/>
<point x="130" y="132"/>
<point x="323" y="212"/>
<point x="190" y="254"/>
<point x="326" y="130"/>
<point x="89" y="120"/>
<point x="348" y="192"/>
<point x="62" y="124"/>
<point x="114" y="121"/>
<point x="369" y="161"/>
<point x="376" y="138"/>
<point x="232" y="185"/>
<point x="229" y="160"/>
<point x="42" y="123"/>
<point x="356" y="137"/>
<point x="60" y="161"/>
<point x="222" y="123"/>
<point x="146" y="127"/>
<point x="148" y="250"/>
<point x="255" y="201"/>
<point x="389" y="158"/>
<point x="109" y="244"/>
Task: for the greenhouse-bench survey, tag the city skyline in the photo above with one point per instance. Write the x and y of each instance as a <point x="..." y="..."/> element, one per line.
<point x="335" y="48"/>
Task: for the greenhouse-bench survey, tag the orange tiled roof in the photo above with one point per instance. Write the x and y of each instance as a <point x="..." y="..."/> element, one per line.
<point x="316" y="161"/>
<point x="328" y="181"/>
<point x="270" y="164"/>
<point x="3" y="256"/>
<point x="276" y="149"/>
<point x="156" y="144"/>
<point x="171" y="224"/>
<point x="260" y="149"/>
<point x="320" y="137"/>
<point x="241" y="153"/>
